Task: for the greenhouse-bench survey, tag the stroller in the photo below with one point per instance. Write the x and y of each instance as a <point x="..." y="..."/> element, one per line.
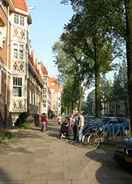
<point x="64" y="129"/>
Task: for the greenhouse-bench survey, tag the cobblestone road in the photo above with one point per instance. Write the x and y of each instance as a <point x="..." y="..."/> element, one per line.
<point x="41" y="158"/>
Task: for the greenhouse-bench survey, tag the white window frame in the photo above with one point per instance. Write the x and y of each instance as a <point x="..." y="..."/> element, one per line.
<point x="17" y="85"/>
<point x="16" y="18"/>
<point x="15" y="50"/>
<point x="18" y="51"/>
<point x="19" y="19"/>
<point x="21" y="51"/>
<point x="22" y="20"/>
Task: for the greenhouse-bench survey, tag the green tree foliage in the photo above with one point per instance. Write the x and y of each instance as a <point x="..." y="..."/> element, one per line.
<point x="106" y="90"/>
<point x="71" y="95"/>
<point x="120" y="90"/>
<point x="69" y="72"/>
<point x="85" y="34"/>
<point x="113" y="18"/>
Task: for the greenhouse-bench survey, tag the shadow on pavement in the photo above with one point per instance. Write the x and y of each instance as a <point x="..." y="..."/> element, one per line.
<point x="5" y="178"/>
<point x="109" y="172"/>
<point x="11" y="149"/>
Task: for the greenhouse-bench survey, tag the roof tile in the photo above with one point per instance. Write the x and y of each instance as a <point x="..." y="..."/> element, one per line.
<point x="20" y="4"/>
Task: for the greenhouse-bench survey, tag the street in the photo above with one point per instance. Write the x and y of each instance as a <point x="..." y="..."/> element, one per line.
<point x="41" y="158"/>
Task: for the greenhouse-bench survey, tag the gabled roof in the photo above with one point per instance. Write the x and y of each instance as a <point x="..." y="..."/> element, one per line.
<point x="42" y="69"/>
<point x="20" y="4"/>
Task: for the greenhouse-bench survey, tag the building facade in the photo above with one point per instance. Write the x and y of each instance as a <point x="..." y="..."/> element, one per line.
<point x="35" y="87"/>
<point x="23" y="80"/>
<point x="5" y="73"/>
<point x="56" y="90"/>
<point x="18" y="58"/>
<point x="44" y="77"/>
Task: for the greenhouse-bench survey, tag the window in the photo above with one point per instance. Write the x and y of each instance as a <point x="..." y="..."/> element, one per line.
<point x="21" y="52"/>
<point x="16" y="19"/>
<point x="19" y="19"/>
<point x="15" y="50"/>
<point x="17" y="86"/>
<point x="22" y="20"/>
<point x="44" y="91"/>
<point x="18" y="51"/>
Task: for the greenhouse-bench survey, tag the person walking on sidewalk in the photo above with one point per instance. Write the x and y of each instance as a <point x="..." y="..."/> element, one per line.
<point x="44" y="122"/>
<point x="76" y="120"/>
<point x="81" y="125"/>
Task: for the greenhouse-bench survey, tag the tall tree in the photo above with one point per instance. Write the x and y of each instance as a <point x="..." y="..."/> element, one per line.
<point x="69" y="71"/>
<point x="128" y="5"/>
<point x="83" y="33"/>
<point x="116" y="22"/>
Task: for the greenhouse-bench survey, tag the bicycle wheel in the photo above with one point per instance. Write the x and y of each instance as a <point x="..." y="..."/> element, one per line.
<point x="85" y="139"/>
<point x="93" y="139"/>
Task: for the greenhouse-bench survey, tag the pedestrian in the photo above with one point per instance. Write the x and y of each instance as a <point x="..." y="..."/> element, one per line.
<point x="81" y="125"/>
<point x="44" y="122"/>
<point x="76" y="127"/>
<point x="71" y="123"/>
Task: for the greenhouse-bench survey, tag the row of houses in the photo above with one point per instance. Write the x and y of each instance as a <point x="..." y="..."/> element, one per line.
<point x="25" y="85"/>
<point x="114" y="107"/>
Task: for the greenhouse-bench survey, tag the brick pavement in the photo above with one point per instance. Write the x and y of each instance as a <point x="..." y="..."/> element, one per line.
<point x="41" y="158"/>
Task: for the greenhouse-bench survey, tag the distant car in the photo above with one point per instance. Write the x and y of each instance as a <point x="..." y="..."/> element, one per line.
<point x="123" y="153"/>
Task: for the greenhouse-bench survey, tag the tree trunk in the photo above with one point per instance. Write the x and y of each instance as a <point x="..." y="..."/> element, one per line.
<point x="97" y="83"/>
<point x="72" y="106"/>
<point x="129" y="55"/>
<point x="97" y="94"/>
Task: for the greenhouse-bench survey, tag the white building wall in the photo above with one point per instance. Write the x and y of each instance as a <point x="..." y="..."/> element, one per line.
<point x="18" y="68"/>
<point x="44" y="104"/>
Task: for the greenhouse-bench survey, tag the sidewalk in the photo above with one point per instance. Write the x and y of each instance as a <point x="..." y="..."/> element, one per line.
<point x="41" y="158"/>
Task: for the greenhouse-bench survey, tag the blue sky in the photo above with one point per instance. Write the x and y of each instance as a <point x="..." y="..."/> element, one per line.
<point x="49" y="17"/>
